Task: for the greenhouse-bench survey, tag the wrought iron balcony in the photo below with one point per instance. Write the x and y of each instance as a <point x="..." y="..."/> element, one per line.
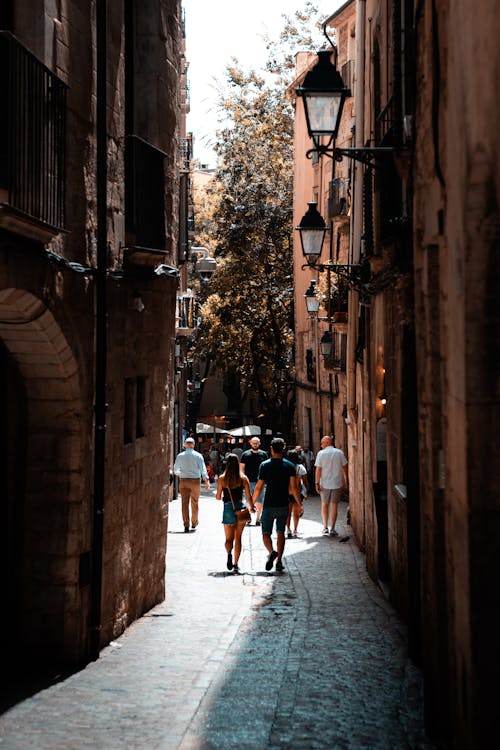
<point x="32" y="143"/>
<point x="347" y="72"/>
<point x="385" y="122"/>
<point x="185" y="153"/>
<point x="338" y="197"/>
<point x="186" y="320"/>
<point x="337" y="359"/>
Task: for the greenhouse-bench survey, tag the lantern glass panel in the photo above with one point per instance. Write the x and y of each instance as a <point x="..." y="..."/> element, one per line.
<point x="323" y="109"/>
<point x="312" y="242"/>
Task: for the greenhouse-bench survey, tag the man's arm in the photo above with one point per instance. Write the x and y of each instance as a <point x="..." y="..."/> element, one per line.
<point x="177" y="465"/>
<point x="258" y="489"/>
<point x="246" y="487"/>
<point x="318" y="477"/>
<point x="204" y="472"/>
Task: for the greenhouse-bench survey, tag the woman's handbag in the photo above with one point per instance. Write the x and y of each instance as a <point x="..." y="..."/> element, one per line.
<point x="241" y="515"/>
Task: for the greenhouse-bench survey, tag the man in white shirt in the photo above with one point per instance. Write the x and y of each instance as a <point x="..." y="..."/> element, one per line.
<point x="331" y="474"/>
<point x="190" y="467"/>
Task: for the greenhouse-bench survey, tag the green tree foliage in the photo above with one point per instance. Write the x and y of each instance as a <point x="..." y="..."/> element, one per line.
<point x="247" y="312"/>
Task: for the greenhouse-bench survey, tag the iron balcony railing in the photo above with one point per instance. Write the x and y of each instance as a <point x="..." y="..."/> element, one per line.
<point x="186" y="314"/>
<point x="337" y="359"/>
<point x="185" y="153"/>
<point x="347" y="74"/>
<point x="384" y="122"/>
<point x="32" y="135"/>
<point x="338" y="197"/>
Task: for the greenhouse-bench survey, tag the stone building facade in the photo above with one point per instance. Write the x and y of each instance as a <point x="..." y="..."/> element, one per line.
<point x="457" y="317"/>
<point x="321" y="381"/>
<point x="76" y="572"/>
<point x="422" y="389"/>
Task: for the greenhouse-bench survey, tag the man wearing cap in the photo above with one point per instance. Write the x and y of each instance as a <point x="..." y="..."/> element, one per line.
<point x="190" y="467"/>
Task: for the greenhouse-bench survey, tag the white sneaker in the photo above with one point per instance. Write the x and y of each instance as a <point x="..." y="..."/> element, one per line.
<point x="325" y="531"/>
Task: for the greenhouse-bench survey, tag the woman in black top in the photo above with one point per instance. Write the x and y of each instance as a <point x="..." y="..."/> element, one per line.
<point x="231" y="486"/>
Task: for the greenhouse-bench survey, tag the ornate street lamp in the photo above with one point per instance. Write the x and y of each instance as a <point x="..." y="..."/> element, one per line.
<point x="326" y="344"/>
<point x="323" y="93"/>
<point x="312" y="230"/>
<point x="312" y="302"/>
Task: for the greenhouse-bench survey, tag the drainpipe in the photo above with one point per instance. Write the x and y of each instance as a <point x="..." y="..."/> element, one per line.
<point x="357" y="212"/>
<point x="100" y="336"/>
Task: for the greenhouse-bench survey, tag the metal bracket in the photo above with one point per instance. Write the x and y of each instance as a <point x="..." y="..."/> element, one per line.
<point x="367" y="156"/>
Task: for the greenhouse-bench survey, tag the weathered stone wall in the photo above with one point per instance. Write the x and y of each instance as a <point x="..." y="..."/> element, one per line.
<point x="456" y="252"/>
<point x="53" y="339"/>
<point x="137" y="477"/>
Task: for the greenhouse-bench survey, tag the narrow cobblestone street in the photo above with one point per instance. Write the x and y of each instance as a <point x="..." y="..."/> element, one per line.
<point x="311" y="658"/>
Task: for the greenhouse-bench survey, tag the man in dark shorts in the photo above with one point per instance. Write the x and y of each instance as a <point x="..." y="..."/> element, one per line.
<point x="250" y="464"/>
<point x="278" y="475"/>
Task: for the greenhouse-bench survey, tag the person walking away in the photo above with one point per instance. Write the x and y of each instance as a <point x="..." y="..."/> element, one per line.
<point x="295" y="510"/>
<point x="251" y="460"/>
<point x="331" y="474"/>
<point x="214" y="460"/>
<point x="309" y="464"/>
<point x="301" y="454"/>
<point x="231" y="486"/>
<point x="190" y="467"/>
<point x="278" y="475"/>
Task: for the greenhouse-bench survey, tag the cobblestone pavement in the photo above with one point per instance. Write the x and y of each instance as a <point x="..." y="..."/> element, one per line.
<point x="310" y="658"/>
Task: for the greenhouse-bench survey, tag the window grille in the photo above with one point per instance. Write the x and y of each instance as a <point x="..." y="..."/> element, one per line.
<point x="32" y="135"/>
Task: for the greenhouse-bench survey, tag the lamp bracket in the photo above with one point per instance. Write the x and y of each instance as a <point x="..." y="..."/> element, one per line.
<point x="357" y="275"/>
<point x="367" y="156"/>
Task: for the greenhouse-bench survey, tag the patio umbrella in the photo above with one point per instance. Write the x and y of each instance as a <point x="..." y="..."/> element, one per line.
<point x="202" y="428"/>
<point x="247" y="430"/>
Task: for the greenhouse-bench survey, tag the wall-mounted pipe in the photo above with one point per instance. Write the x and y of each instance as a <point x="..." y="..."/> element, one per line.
<point x="100" y="334"/>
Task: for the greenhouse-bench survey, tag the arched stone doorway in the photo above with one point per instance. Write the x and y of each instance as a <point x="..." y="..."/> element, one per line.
<point x="45" y="492"/>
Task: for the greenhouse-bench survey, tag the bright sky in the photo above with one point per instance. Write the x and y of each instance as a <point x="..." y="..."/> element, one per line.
<point x="218" y="30"/>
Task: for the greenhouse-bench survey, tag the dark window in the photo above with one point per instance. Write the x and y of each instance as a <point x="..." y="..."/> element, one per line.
<point x="134" y="409"/>
<point x="183" y="217"/>
<point x="129" y="408"/>
<point x="140" y="407"/>
<point x="7" y="15"/>
<point x="144" y="194"/>
<point x="310" y="368"/>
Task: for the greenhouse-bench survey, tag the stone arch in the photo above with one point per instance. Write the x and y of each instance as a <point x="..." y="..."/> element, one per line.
<point x="55" y="525"/>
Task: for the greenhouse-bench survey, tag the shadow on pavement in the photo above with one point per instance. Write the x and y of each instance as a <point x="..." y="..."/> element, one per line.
<point x="317" y="651"/>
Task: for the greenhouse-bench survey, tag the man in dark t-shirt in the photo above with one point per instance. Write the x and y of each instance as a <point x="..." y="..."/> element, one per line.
<point x="250" y="463"/>
<point x="279" y="476"/>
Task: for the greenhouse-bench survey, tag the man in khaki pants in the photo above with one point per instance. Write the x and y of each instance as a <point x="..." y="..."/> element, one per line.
<point x="190" y="467"/>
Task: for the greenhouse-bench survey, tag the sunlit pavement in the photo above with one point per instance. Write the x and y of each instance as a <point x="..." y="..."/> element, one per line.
<point x="310" y="658"/>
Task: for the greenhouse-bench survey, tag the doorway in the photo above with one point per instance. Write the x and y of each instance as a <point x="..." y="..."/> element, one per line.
<point x="13" y="437"/>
